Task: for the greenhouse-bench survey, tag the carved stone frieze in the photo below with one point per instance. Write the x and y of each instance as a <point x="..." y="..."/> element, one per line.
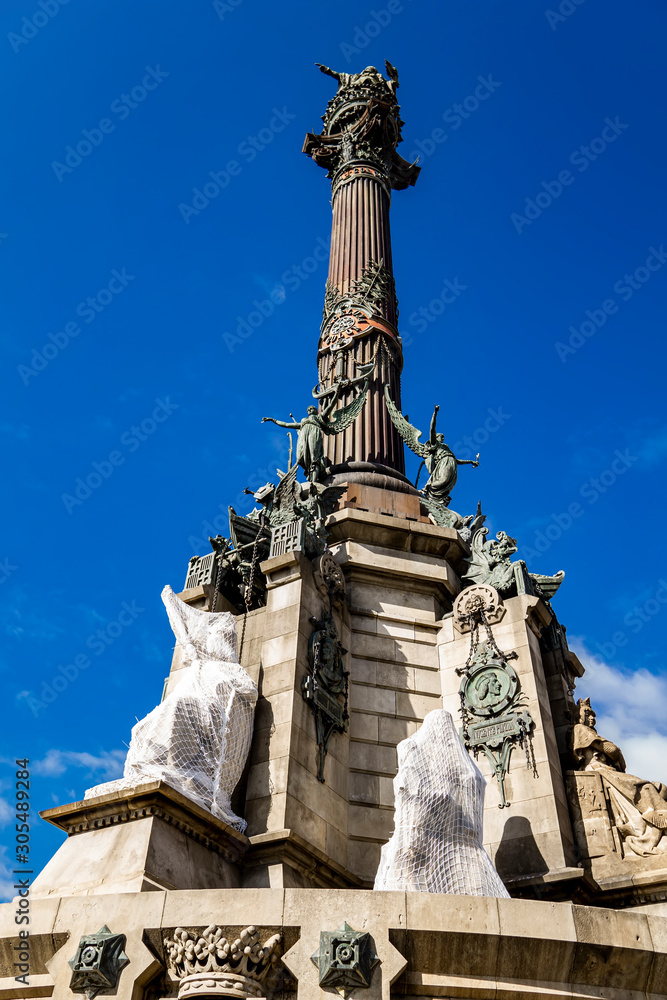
<point x="590" y="814"/>
<point x="603" y="795"/>
<point x="208" y="964"/>
<point x="473" y="600"/>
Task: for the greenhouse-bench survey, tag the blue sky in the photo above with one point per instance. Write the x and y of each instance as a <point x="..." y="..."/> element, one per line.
<point x="125" y="300"/>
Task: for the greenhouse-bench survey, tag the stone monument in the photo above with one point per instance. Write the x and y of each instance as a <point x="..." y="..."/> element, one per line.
<point x="363" y="607"/>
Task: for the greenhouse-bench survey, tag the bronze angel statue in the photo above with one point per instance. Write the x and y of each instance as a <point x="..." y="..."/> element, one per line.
<point x="441" y="462"/>
<point x="310" y="443"/>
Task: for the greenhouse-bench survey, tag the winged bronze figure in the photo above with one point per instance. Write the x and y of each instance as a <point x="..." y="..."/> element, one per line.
<point x="285" y="499"/>
<point x="309" y="443"/>
<point x="440" y="460"/>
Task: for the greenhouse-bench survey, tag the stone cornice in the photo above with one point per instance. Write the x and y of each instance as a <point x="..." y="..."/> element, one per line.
<point x="391" y="532"/>
<point x="285" y="846"/>
<point x="153" y="798"/>
<point x="454" y="945"/>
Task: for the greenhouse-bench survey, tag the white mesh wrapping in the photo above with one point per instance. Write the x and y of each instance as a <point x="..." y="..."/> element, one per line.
<point x="439" y="800"/>
<point x="198" y="739"/>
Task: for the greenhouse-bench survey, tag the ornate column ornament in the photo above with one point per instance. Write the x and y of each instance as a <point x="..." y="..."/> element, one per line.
<point x="359" y="336"/>
<point x="492" y="704"/>
<point x="474" y="600"/>
<point x="327" y="681"/>
<point x="362" y="125"/>
<point x="345" y="959"/>
<point x="100" y="958"/>
<point x="329" y="578"/>
<point x="208" y="965"/>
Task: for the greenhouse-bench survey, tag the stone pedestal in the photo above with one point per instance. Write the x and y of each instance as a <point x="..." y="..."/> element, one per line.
<point x="146" y="838"/>
<point x="296" y="824"/>
<point x="621" y="877"/>
<point x="400" y="581"/>
<point x="402" y="576"/>
<point x="532" y="837"/>
<point x="429" y="946"/>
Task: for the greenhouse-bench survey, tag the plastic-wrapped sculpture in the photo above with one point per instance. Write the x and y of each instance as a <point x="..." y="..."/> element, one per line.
<point x="197" y="740"/>
<point x="439" y="795"/>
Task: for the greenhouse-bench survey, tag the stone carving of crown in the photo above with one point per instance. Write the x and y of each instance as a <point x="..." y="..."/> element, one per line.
<point x="208" y="965"/>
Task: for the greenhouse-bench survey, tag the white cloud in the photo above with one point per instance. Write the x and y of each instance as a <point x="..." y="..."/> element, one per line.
<point x="56" y="763"/>
<point x="6" y="812"/>
<point x="654" y="448"/>
<point x="630" y="708"/>
<point x="7" y="890"/>
<point x="20" y="431"/>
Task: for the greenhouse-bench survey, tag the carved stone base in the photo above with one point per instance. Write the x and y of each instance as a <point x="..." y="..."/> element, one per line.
<point x="391" y="502"/>
<point x="283" y="859"/>
<point x="621" y="878"/>
<point x="219" y="984"/>
<point x="165" y="841"/>
<point x="369" y="474"/>
<point x="439" y="945"/>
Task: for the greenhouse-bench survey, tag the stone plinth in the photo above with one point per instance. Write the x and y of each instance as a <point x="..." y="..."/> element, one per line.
<point x="621" y="877"/>
<point x="433" y="946"/>
<point x="146" y="838"/>
<point x="296" y="824"/>
<point x="400" y="581"/>
<point x="533" y="837"/>
<point x="401" y="578"/>
<point x="383" y="501"/>
<point x="443" y="549"/>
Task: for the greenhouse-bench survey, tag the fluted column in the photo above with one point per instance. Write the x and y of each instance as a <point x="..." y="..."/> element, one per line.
<point x="359" y="327"/>
<point x="360" y="231"/>
<point x="360" y="239"/>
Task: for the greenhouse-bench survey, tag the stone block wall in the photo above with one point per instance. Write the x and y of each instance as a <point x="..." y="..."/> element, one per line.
<point x="283" y="793"/>
<point x="398" y="585"/>
<point x="394" y="683"/>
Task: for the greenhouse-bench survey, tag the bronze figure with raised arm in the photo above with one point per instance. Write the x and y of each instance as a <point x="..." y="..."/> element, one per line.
<point x="439" y="459"/>
<point x="310" y="443"/>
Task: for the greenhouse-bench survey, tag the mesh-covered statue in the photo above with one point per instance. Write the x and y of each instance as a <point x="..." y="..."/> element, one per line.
<point x="439" y="800"/>
<point x="197" y="740"/>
